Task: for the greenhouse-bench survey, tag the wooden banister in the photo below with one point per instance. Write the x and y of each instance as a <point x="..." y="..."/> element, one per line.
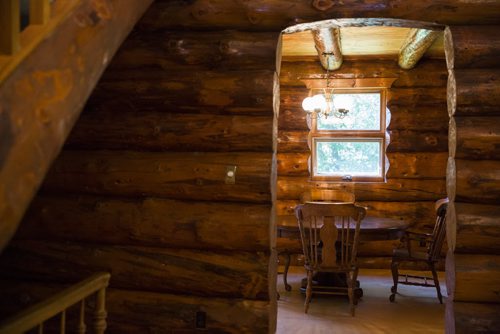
<point x="37" y="314"/>
<point x="9" y="26"/>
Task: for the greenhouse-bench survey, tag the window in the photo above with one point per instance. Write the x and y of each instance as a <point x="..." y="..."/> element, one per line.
<point x="351" y="148"/>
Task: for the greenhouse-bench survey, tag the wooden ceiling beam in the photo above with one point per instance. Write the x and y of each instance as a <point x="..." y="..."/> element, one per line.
<point x="416" y="44"/>
<point x="327" y="43"/>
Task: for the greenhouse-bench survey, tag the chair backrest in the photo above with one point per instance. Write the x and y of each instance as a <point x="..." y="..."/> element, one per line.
<point x="329" y="233"/>
<point x="439" y="232"/>
<point x="327" y="195"/>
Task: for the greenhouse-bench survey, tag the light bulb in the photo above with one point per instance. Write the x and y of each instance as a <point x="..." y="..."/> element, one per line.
<point x="308" y="104"/>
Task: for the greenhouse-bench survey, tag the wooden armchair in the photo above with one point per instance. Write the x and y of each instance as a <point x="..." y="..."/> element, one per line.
<point x="330" y="236"/>
<point x="432" y="242"/>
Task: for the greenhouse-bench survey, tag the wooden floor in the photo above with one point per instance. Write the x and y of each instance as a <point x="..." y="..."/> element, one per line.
<point x="416" y="310"/>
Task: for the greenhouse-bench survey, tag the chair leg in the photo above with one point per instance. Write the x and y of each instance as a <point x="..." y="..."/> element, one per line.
<point x="288" y="287"/>
<point x="436" y="282"/>
<point x="395" y="278"/>
<point x="308" y="291"/>
<point x="350" y="293"/>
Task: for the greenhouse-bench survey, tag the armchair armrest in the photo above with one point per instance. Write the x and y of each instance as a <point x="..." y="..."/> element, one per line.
<point x="422" y="238"/>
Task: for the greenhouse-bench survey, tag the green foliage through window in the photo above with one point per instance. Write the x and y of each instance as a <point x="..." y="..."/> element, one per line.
<point x="348" y="158"/>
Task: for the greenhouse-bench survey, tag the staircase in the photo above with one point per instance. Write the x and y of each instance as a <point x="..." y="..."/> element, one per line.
<point x="47" y="72"/>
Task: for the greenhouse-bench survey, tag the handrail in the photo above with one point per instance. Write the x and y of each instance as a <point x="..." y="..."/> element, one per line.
<point x="15" y="45"/>
<point x="37" y="314"/>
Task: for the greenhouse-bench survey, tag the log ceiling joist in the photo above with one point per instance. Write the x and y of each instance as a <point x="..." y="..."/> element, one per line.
<point x="327" y="43"/>
<point x="416" y="44"/>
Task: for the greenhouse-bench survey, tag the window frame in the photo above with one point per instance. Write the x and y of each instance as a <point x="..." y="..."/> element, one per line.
<point x="380" y="135"/>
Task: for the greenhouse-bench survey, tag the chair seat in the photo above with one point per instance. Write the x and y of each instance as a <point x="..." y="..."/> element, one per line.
<point x="403" y="254"/>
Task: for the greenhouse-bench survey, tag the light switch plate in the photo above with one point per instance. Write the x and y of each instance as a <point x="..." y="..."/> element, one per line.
<point x="230" y="175"/>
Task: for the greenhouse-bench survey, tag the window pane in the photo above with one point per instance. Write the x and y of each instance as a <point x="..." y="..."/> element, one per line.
<point x="364" y="112"/>
<point x="356" y="158"/>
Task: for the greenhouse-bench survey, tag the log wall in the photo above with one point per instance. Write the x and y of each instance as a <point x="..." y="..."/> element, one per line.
<point x="473" y="179"/>
<point x="203" y="70"/>
<point x="140" y="188"/>
<point x="417" y="152"/>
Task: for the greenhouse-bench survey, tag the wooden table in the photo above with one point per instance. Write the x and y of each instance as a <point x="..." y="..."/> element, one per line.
<point x="371" y="229"/>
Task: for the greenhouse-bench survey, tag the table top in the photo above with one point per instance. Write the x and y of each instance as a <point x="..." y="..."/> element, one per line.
<point x="371" y="229"/>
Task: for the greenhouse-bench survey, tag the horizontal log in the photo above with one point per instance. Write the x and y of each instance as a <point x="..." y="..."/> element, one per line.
<point x="143" y="312"/>
<point x="404" y="141"/>
<point x="292" y="96"/>
<point x="171" y="50"/>
<point x="429" y="73"/>
<point x="292" y="118"/>
<point x="417" y="165"/>
<point x="473" y="92"/>
<point x="293" y="164"/>
<point x="415" y="117"/>
<point x="476" y="228"/>
<point x="419" y="117"/>
<point x="265" y="16"/>
<point x="465" y="318"/>
<point x="157" y="131"/>
<point x="402" y="165"/>
<point x="474" y="138"/>
<point x="473" y="181"/>
<point x="226" y="91"/>
<point x="42" y="98"/>
<point x="408" y="141"/>
<point x="396" y="190"/>
<point x="473" y="278"/>
<point x="293" y="141"/>
<point x="148" y="222"/>
<point x="237" y="274"/>
<point x="472" y="46"/>
<point x="193" y="176"/>
<point x="416" y="96"/>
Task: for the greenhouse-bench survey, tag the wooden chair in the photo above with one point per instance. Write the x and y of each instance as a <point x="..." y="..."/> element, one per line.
<point x="330" y="235"/>
<point x="431" y="244"/>
<point x="287" y="247"/>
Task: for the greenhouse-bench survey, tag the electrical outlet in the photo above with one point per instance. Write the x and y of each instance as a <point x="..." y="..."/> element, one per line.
<point x="201" y="319"/>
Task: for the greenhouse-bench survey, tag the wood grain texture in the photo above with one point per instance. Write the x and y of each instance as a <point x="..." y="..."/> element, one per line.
<point x="464" y="318"/>
<point x="472" y="46"/>
<point x="416" y="96"/>
<point x="190" y="176"/>
<point x="475" y="138"/>
<point x="263" y="15"/>
<point x="204" y="50"/>
<point x="57" y="87"/>
<point x="142" y="312"/>
<point x="473" y="92"/>
<point x="473" y="278"/>
<point x="419" y="117"/>
<point x="429" y="73"/>
<point x="476" y="228"/>
<point x="151" y="222"/>
<point x="402" y="165"/>
<point x="191" y="272"/>
<point x="475" y="181"/>
<point x="416" y="44"/>
<point x="397" y="190"/>
<point x="157" y="131"/>
<point x="175" y="91"/>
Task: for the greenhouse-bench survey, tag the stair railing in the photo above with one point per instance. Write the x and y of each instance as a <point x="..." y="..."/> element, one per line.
<point x="36" y="315"/>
